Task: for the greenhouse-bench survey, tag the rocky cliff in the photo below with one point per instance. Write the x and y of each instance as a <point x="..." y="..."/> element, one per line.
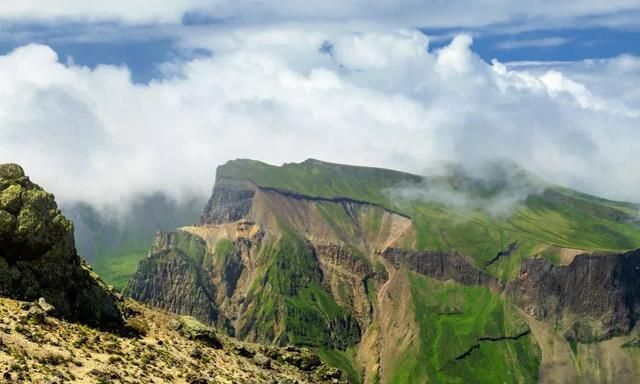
<point x="38" y="256"/>
<point x="595" y="297"/>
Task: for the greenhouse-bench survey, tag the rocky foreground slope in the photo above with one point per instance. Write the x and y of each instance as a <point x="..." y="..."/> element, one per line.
<point x="383" y="278"/>
<point x="166" y="349"/>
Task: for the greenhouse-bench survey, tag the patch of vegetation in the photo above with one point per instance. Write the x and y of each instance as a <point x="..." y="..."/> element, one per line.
<point x="317" y="178"/>
<point x="290" y="298"/>
<point x="117" y="266"/>
<point x="452" y="318"/>
<point x="344" y="361"/>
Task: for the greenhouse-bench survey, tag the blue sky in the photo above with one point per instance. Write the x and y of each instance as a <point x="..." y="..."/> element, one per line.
<point x="142" y="53"/>
<point x="569" y="44"/>
<point x="142" y="46"/>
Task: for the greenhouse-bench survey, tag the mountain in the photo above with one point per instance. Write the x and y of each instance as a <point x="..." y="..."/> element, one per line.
<point x="489" y="275"/>
<point x="60" y="323"/>
<point x="38" y="256"/>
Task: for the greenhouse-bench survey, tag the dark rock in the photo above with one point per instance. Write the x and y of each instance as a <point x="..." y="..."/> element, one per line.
<point x="441" y="266"/>
<point x="192" y="329"/>
<point x="104" y="375"/>
<point x="199" y="380"/>
<point x="35" y="315"/>
<point x="196" y="353"/>
<point x="262" y="361"/>
<point x="231" y="201"/>
<point x="329" y="373"/>
<point x="304" y="360"/>
<point x="244" y="352"/>
<point x="11" y="171"/>
<point x="38" y="257"/>
<point x="595" y="297"/>
<point x="171" y="278"/>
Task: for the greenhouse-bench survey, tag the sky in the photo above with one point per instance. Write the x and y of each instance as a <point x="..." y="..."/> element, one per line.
<point x="105" y="101"/>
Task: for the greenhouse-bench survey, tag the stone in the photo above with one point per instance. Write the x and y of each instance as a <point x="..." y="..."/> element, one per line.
<point x="36" y="315"/>
<point x="46" y="307"/>
<point x="7" y="223"/>
<point x="304" y="360"/>
<point x="11" y="171"/>
<point x="241" y="350"/>
<point x="11" y="199"/>
<point x="192" y="329"/>
<point x="595" y="297"/>
<point x="262" y="361"/>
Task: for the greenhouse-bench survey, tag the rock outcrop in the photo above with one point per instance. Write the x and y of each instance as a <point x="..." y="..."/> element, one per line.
<point x="38" y="256"/>
<point x="441" y="266"/>
<point x="172" y="278"/>
<point x="595" y="297"/>
<point x="230" y="201"/>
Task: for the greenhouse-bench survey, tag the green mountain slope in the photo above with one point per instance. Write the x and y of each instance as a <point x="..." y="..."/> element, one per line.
<point x="547" y="214"/>
<point x="400" y="278"/>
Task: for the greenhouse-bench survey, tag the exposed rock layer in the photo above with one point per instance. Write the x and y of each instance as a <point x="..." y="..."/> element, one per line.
<point x="594" y="297"/>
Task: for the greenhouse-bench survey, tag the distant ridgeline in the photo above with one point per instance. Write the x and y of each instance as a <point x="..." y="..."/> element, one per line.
<point x="399" y="278"/>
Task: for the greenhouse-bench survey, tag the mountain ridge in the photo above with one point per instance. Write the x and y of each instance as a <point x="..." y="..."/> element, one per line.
<point x="303" y="252"/>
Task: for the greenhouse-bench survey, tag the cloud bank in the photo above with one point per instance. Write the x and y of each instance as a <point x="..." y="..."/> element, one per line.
<point x="497" y="188"/>
<point x="415" y="13"/>
<point x="282" y="94"/>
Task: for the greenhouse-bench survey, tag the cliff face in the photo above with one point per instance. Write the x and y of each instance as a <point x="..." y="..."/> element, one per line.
<point x="173" y="280"/>
<point x="230" y="201"/>
<point x="594" y="297"/>
<point x="38" y="256"/>
<point x="441" y="266"/>
<point x="399" y="292"/>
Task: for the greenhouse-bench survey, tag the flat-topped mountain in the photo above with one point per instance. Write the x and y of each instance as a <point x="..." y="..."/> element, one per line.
<point x="485" y="276"/>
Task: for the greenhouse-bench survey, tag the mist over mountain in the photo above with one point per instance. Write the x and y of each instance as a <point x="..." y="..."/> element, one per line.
<point x="114" y="238"/>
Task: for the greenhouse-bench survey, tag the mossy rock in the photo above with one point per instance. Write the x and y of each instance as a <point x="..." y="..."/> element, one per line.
<point x="38" y="256"/>
<point x="192" y="329"/>
<point x="11" y="171"/>
<point x="11" y="199"/>
<point x="7" y="223"/>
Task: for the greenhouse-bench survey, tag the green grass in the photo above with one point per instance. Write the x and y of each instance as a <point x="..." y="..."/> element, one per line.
<point x="117" y="267"/>
<point x="451" y="317"/>
<point x="557" y="216"/>
<point x="290" y="296"/>
<point x="316" y="178"/>
<point x="343" y="360"/>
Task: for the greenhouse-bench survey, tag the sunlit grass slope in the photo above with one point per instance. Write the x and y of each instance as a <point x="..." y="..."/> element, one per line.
<point x="546" y="215"/>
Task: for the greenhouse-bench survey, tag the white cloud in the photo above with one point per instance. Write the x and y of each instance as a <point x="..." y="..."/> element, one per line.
<point x="413" y="13"/>
<point x="127" y="11"/>
<point x="379" y="98"/>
